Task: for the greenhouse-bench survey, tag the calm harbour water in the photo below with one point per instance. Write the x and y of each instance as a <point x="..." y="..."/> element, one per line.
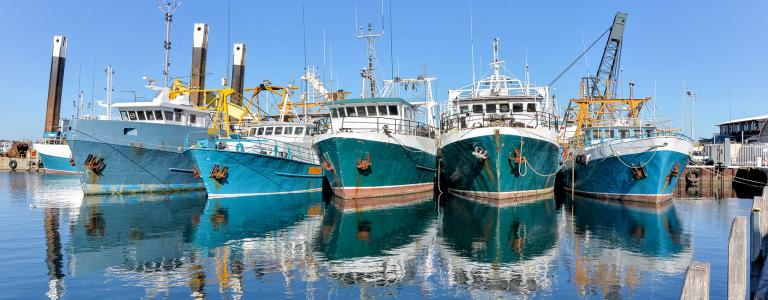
<point x="55" y="243"/>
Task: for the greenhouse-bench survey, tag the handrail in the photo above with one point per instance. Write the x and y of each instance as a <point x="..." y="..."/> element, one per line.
<point x="272" y="147"/>
<point x="468" y="120"/>
<point x="382" y="125"/>
<point x="581" y="139"/>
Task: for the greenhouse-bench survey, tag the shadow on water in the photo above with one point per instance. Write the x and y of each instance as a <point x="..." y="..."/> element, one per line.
<point x="374" y="241"/>
<point x="141" y="233"/>
<point x="507" y="248"/>
<point x="617" y="243"/>
<point x="284" y="246"/>
<point x="229" y="220"/>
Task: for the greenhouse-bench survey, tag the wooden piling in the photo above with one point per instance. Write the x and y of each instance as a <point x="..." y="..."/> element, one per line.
<point x="696" y="285"/>
<point x="737" y="259"/>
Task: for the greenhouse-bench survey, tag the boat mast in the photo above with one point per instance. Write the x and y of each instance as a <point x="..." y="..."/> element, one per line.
<point x="367" y="73"/>
<point x="168" y="8"/>
<point x="109" y="72"/>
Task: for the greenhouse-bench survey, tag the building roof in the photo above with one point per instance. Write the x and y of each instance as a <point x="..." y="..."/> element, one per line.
<point x="370" y="100"/>
<point x="763" y="117"/>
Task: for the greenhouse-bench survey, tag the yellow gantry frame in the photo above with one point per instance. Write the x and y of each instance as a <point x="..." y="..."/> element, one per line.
<point x="227" y="112"/>
<point x="593" y="112"/>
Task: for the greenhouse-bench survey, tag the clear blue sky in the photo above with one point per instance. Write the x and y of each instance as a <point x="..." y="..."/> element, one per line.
<point x="719" y="49"/>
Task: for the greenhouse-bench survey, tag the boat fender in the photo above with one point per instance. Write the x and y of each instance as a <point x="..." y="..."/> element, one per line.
<point x="239" y="147"/>
<point x="13" y="164"/>
<point x="693" y="176"/>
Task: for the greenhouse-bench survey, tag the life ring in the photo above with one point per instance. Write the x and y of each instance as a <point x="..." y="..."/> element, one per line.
<point x="693" y="176"/>
<point x="13" y="164"/>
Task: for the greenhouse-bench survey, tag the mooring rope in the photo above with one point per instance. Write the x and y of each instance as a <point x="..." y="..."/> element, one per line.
<point x="126" y="157"/>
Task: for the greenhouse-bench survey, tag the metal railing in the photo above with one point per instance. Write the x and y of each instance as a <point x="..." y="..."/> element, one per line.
<point x="270" y="147"/>
<point x="639" y="135"/>
<point x="53" y="140"/>
<point x="741" y="155"/>
<point x="381" y="125"/>
<point x="467" y="120"/>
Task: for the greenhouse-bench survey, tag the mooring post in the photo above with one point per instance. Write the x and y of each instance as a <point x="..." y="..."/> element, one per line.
<point x="737" y="259"/>
<point x="55" y="83"/>
<point x="199" y="56"/>
<point x="238" y="73"/>
<point x="696" y="285"/>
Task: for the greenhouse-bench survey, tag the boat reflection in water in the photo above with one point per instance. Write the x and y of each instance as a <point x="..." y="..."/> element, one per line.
<point x="499" y="250"/>
<point x="617" y="245"/>
<point x="140" y="237"/>
<point x="374" y="242"/>
<point x="263" y="234"/>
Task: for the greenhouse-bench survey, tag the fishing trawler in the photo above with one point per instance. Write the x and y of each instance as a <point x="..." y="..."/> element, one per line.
<point x="622" y="157"/>
<point x="613" y="152"/>
<point x="374" y="145"/>
<point x="143" y="151"/>
<point x="499" y="137"/>
<point x="54" y="152"/>
<point x="269" y="155"/>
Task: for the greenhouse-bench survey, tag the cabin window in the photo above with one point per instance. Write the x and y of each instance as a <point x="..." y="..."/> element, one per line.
<point x="150" y="115"/>
<point x="260" y="131"/>
<point x="638" y="133"/>
<point x="299" y="130"/>
<point x="595" y="134"/>
<point x="158" y="115"/>
<point x="351" y="112"/>
<point x="372" y="111"/>
<point x="269" y="131"/>
<point x="252" y="131"/>
<point x="341" y="112"/>
<point x="278" y="130"/>
<point x="610" y="133"/>
<point x="393" y="110"/>
<point x="649" y="132"/>
<point x="531" y="107"/>
<point x="192" y="119"/>
<point x="477" y="108"/>
<point x="361" y="111"/>
<point x="517" y="107"/>
<point x="335" y="113"/>
<point x="132" y="115"/>
<point x="490" y="108"/>
<point x="141" y="115"/>
<point x="123" y="115"/>
<point x="382" y="110"/>
<point x="168" y="116"/>
<point x="623" y="133"/>
<point x="288" y="130"/>
<point x="177" y="115"/>
<point x="504" y="107"/>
